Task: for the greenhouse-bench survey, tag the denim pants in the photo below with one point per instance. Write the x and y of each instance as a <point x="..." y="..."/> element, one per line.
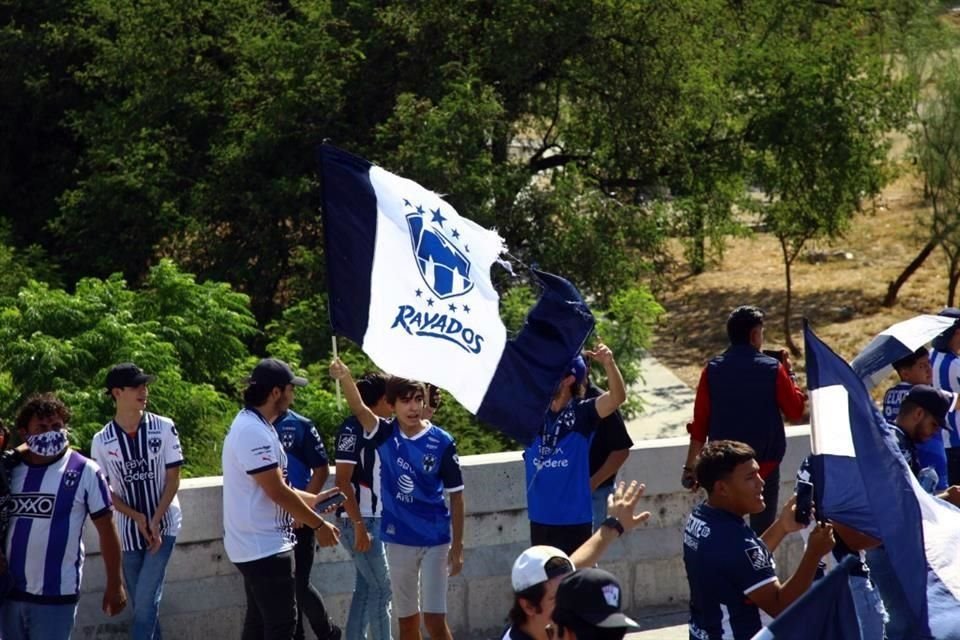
<point x="144" y="573"/>
<point x="371" y="591"/>
<point x="901" y="623"/>
<point x="271" y="597"/>
<point x="869" y="607"/>
<point x="599" y="499"/>
<point x="29" y="620"/>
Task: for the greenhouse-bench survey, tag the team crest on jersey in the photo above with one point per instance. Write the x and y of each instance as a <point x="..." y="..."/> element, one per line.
<point x="71" y="477"/>
<point x="286" y="439"/>
<point x="154" y="444"/>
<point x="429" y="462"/>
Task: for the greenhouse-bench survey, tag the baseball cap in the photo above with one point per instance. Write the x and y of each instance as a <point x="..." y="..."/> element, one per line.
<point x="274" y="373"/>
<point x="578" y="369"/>
<point x="935" y="401"/>
<point x="127" y="374"/>
<point x="539" y="564"/>
<point x="592" y="597"/>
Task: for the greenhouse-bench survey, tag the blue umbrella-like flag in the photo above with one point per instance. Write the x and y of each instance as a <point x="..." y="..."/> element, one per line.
<point x="875" y="362"/>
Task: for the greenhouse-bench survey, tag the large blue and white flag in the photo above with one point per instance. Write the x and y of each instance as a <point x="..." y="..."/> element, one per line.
<point x="863" y="482"/>
<point x="409" y="281"/>
<point x="826" y="611"/>
<point x="897" y="341"/>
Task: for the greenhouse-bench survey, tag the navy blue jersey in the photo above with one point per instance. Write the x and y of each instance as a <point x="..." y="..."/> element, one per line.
<point x="414" y="473"/>
<point x="558" y="466"/>
<point x="303" y="445"/>
<point x="355" y="448"/>
<point x="725" y="561"/>
<point x="930" y="453"/>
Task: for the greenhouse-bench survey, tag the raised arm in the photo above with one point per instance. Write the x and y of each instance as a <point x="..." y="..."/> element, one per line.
<point x="367" y="418"/>
<point x="616" y="392"/>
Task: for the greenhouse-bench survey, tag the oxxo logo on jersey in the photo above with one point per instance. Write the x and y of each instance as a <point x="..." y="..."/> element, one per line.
<point x="32" y="505"/>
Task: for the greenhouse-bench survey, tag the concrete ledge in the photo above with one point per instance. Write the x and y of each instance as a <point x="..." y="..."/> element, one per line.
<point x="204" y="597"/>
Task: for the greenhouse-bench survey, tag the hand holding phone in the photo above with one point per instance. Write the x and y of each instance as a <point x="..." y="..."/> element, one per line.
<point x="804" y="505"/>
<point x="330" y="503"/>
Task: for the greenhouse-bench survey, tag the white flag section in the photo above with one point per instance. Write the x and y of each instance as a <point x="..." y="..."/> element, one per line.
<point x="409" y="281"/>
<point x="434" y="314"/>
<point x="897" y="341"/>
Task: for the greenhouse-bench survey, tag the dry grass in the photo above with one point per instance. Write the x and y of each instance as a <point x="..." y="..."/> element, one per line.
<point x="842" y="299"/>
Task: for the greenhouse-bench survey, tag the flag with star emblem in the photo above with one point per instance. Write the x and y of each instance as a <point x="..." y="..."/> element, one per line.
<point x="409" y="281"/>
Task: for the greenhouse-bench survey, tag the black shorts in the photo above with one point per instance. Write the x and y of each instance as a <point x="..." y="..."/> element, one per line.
<point x="566" y="537"/>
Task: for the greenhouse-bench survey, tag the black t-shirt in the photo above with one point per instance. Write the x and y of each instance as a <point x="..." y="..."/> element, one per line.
<point x="611" y="436"/>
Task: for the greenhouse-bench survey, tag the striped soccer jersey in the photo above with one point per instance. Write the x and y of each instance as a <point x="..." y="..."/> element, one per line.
<point x="48" y="507"/>
<point x="135" y="466"/>
<point x="946" y="376"/>
<point x="354" y="447"/>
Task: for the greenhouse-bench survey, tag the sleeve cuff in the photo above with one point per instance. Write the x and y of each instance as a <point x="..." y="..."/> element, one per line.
<point x="178" y="463"/>
<point x="253" y="472"/>
<point x="103" y="512"/>
<point x="764" y="582"/>
<point x="453" y="489"/>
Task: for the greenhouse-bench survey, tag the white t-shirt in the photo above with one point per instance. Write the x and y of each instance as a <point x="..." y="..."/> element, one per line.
<point x="254" y="525"/>
<point x="136" y="468"/>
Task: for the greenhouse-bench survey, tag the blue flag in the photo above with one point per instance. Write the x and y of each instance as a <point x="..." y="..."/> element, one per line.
<point x="409" y="281"/>
<point x="826" y="611"/>
<point x="862" y="481"/>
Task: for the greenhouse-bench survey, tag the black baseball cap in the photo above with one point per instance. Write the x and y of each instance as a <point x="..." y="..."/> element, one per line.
<point x="274" y="373"/>
<point x="934" y="401"/>
<point x="127" y="374"/>
<point x="591" y="597"/>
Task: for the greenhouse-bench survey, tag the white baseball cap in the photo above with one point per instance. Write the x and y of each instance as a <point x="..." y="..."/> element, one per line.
<point x="531" y="567"/>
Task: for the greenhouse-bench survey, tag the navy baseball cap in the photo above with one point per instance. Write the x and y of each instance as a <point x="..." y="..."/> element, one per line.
<point x="934" y="401"/>
<point x="275" y="373"/>
<point x="591" y="597"/>
<point x="127" y="374"/>
<point x="578" y="369"/>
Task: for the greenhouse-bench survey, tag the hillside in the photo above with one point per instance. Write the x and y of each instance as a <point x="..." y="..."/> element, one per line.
<point x="841" y="297"/>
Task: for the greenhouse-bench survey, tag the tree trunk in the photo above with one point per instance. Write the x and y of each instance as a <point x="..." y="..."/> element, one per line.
<point x="698" y="252"/>
<point x="954" y="276"/>
<point x="894" y="288"/>
<point x="788" y="303"/>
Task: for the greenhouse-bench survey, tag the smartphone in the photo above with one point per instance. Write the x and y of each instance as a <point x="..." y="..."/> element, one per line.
<point x="774" y="353"/>
<point x="804" y="502"/>
<point x="328" y="503"/>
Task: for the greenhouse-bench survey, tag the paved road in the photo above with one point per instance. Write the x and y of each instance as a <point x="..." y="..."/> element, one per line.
<point x="667" y="403"/>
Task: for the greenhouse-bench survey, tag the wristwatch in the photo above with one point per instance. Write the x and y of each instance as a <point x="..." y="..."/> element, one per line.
<point x="614" y="524"/>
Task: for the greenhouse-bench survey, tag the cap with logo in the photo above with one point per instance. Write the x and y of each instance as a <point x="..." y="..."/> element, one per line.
<point x="127" y="374"/>
<point x="539" y="564"/>
<point x="935" y="401"/>
<point x="274" y="373"/>
<point x="578" y="369"/>
<point x="591" y="597"/>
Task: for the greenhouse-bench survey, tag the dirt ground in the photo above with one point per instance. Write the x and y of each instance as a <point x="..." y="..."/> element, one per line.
<point x="842" y="298"/>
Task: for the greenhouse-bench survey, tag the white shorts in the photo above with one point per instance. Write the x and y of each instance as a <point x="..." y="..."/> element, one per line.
<point x="416" y="570"/>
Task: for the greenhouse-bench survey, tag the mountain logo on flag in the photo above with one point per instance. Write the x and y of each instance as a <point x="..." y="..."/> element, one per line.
<point x="444" y="267"/>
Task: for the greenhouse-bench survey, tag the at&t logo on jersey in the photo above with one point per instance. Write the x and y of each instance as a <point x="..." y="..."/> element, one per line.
<point x="441" y="257"/>
<point x="405" y="488"/>
<point x="32" y="505"/>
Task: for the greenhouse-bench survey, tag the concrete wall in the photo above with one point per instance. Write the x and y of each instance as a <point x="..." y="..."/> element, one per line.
<point x="204" y="598"/>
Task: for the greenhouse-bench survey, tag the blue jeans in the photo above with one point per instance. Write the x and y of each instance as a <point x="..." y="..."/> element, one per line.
<point x="144" y="572"/>
<point x="869" y="607"/>
<point x="371" y="591"/>
<point x="31" y="620"/>
<point x="901" y="623"/>
<point x="600" y="505"/>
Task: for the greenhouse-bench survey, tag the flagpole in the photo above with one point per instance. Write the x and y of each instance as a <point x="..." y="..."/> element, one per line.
<point x="333" y="341"/>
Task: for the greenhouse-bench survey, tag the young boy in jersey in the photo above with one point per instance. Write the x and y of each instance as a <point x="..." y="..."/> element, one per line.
<point x="140" y="455"/>
<point x="418" y="463"/>
<point x="730" y="569"/>
<point x="53" y="492"/>
<point x="913" y="370"/>
<point x="358" y="477"/>
<point x="559" y="501"/>
<point x="945" y="361"/>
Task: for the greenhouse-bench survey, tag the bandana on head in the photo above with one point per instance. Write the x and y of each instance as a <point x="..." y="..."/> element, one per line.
<point x="48" y="443"/>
